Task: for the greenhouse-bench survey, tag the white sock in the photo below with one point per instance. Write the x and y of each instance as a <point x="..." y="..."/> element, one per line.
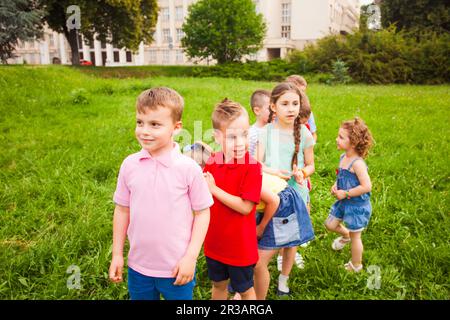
<point x="282" y="283"/>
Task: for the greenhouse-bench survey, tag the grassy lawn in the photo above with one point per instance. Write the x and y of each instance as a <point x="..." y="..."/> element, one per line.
<point x="64" y="134"/>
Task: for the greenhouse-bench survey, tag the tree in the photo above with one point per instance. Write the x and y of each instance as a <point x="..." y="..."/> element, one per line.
<point x="123" y="23"/>
<point x="223" y="30"/>
<point x="19" y="20"/>
<point x="417" y="15"/>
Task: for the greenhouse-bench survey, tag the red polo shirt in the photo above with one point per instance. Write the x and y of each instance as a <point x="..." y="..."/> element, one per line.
<point x="231" y="237"/>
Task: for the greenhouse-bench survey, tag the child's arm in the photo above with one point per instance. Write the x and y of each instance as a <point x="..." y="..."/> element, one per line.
<point x="308" y="169"/>
<point x="364" y="180"/>
<point x="234" y="202"/>
<point x="185" y="269"/>
<point x="334" y="188"/>
<point x="120" y="225"/>
<point x="272" y="202"/>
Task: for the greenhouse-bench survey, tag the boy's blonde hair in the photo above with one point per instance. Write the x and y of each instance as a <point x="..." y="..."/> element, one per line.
<point x="360" y="136"/>
<point x="161" y="97"/>
<point x="225" y="112"/>
<point x="256" y="100"/>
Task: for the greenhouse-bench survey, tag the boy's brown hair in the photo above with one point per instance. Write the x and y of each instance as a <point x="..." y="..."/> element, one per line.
<point x="360" y="136"/>
<point x="225" y="112"/>
<point x="305" y="110"/>
<point x="161" y="97"/>
<point x="256" y="99"/>
<point x="299" y="81"/>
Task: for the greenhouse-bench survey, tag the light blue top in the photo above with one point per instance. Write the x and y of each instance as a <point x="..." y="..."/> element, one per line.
<point x="279" y="149"/>
<point x="312" y="123"/>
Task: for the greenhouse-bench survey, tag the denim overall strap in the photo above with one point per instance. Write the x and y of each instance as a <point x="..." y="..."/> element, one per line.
<point x="351" y="163"/>
<point x="340" y="159"/>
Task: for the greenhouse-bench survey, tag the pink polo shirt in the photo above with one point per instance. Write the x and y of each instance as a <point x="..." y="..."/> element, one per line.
<point x="161" y="193"/>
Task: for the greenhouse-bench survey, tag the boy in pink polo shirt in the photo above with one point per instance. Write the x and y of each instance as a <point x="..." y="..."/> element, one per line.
<point x="234" y="178"/>
<point x="158" y="189"/>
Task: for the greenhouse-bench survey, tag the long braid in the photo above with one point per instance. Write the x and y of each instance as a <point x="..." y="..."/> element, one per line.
<point x="297" y="136"/>
<point x="271" y="113"/>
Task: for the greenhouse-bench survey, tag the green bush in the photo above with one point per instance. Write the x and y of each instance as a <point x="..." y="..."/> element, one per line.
<point x="384" y="56"/>
<point x="339" y="73"/>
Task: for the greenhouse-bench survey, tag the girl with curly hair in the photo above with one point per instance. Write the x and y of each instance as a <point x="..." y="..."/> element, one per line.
<point x="352" y="190"/>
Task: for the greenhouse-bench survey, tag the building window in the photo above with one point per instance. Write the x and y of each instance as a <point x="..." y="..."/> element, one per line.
<point x="286" y="32"/>
<point x="116" y="56"/>
<point x="166" y="56"/>
<point x="180" y="34"/>
<point x="180" y="56"/>
<point x="51" y="40"/>
<point x="166" y="35"/>
<point x="286" y="13"/>
<point x="152" y="55"/>
<point x="128" y="54"/>
<point x="165" y="14"/>
<point x="179" y="13"/>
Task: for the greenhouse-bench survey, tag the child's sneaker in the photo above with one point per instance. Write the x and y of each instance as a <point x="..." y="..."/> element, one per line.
<point x="339" y="243"/>
<point x="300" y="263"/>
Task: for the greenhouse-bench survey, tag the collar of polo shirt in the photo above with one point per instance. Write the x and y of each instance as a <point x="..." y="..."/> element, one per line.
<point x="219" y="159"/>
<point x="165" y="159"/>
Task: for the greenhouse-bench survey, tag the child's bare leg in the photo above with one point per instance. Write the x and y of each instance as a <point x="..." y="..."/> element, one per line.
<point x="335" y="225"/>
<point x="219" y="290"/>
<point x="262" y="275"/>
<point x="249" y="294"/>
<point x="357" y="248"/>
<point x="288" y="260"/>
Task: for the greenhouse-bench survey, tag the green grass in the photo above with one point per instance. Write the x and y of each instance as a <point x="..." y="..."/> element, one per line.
<point x="64" y="134"/>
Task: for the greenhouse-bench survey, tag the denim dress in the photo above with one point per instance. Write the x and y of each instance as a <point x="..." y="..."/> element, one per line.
<point x="291" y="224"/>
<point x="356" y="211"/>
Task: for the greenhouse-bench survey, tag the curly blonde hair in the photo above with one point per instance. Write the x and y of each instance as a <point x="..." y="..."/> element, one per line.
<point x="359" y="134"/>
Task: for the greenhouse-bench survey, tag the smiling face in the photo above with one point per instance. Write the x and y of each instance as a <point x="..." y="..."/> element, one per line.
<point x="287" y="107"/>
<point x="233" y="138"/>
<point x="343" y="140"/>
<point x="155" y="129"/>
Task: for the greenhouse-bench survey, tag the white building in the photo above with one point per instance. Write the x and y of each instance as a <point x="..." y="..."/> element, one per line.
<point x="291" y="24"/>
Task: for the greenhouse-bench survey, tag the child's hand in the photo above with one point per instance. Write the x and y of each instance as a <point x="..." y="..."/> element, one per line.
<point x="210" y="181"/>
<point x="339" y="194"/>
<point x="298" y="175"/>
<point x="334" y="189"/>
<point x="259" y="231"/>
<point x="284" y="174"/>
<point x="184" y="271"/>
<point x="116" y="269"/>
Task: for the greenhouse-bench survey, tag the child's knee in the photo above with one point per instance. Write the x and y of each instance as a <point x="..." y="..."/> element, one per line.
<point x="221" y="285"/>
<point x="329" y="225"/>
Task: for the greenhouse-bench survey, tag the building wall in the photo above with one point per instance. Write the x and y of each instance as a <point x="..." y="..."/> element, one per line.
<point x="291" y="24"/>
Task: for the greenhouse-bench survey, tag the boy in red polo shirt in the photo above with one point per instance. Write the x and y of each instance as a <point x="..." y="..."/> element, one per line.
<point x="234" y="179"/>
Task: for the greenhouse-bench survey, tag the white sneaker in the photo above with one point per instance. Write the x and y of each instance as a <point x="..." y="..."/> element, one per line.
<point x="305" y="244"/>
<point x="279" y="262"/>
<point x="339" y="243"/>
<point x="299" y="261"/>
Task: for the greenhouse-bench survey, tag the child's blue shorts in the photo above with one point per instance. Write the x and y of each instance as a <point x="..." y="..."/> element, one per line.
<point x="241" y="278"/>
<point x="355" y="215"/>
<point x="143" y="287"/>
<point x="290" y="226"/>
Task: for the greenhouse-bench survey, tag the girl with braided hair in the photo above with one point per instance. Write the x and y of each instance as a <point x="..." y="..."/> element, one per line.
<point x="286" y="150"/>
